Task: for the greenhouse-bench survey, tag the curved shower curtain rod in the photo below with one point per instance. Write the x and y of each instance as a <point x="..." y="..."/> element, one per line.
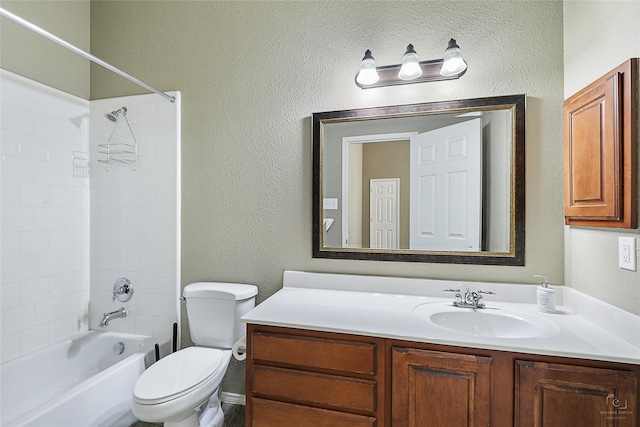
<point x="81" y="52"/>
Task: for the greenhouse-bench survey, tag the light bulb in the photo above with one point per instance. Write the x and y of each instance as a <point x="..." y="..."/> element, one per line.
<point x="410" y="65"/>
<point x="367" y="74"/>
<point x="453" y="63"/>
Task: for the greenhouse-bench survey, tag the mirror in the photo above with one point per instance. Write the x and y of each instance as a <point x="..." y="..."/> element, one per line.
<point x="438" y="182"/>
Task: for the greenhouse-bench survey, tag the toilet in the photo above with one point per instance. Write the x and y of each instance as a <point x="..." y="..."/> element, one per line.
<point x="182" y="389"/>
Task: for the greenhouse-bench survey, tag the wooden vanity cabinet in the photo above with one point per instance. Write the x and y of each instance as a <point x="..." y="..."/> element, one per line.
<point x="434" y="388"/>
<point x="552" y="394"/>
<point x="306" y="378"/>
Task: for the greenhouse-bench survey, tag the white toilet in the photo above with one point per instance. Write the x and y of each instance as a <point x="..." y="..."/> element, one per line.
<point x="182" y="389"/>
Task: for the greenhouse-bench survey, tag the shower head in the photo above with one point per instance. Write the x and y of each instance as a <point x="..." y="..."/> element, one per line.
<point x="113" y="116"/>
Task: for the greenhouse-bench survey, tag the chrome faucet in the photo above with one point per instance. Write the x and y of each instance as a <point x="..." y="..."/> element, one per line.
<point x="106" y="317"/>
<point x="470" y="299"/>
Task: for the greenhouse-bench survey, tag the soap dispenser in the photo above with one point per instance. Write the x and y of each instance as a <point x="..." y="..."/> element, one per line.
<point x="546" y="295"/>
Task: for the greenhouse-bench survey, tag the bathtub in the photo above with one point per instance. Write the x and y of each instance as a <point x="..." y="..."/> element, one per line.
<point x="76" y="383"/>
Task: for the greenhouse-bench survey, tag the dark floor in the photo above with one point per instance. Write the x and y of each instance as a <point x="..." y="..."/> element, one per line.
<point x="233" y="417"/>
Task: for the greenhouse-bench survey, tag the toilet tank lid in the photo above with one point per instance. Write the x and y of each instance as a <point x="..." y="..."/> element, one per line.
<point x="217" y="290"/>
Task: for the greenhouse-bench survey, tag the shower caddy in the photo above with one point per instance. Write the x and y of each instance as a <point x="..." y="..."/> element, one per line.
<point x="113" y="152"/>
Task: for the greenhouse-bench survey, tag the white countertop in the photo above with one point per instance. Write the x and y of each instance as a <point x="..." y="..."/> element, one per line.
<point x="340" y="303"/>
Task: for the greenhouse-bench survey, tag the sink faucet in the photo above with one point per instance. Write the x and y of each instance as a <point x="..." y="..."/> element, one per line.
<point x="106" y="317"/>
<point x="470" y="299"/>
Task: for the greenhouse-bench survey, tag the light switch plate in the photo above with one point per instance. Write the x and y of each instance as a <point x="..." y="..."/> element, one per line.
<point x="330" y="203"/>
<point x="627" y="256"/>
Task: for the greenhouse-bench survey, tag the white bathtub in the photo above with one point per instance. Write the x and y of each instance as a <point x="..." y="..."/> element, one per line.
<point x="76" y="383"/>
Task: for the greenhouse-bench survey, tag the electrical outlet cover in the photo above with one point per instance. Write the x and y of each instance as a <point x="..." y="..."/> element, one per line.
<point x="627" y="256"/>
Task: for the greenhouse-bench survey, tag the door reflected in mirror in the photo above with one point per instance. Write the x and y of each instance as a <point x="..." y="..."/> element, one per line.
<point x="436" y="182"/>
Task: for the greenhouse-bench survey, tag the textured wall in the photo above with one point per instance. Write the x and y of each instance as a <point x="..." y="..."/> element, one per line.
<point x="30" y="55"/>
<point x="599" y="36"/>
<point x="252" y="73"/>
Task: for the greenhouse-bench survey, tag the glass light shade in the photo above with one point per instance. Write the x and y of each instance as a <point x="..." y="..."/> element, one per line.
<point x="453" y="63"/>
<point x="410" y="65"/>
<point x="367" y="74"/>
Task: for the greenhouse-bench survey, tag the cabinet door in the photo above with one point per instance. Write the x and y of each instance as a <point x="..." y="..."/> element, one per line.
<point x="432" y="388"/>
<point x="601" y="151"/>
<point x="562" y="395"/>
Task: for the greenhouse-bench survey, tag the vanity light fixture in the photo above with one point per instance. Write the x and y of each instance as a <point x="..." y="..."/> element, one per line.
<point x="368" y="74"/>
<point x="451" y="66"/>
<point x="410" y="68"/>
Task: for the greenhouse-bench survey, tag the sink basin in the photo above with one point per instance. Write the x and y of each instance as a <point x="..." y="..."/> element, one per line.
<point x="493" y="321"/>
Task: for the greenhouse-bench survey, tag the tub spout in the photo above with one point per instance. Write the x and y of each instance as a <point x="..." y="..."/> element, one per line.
<point x="121" y="312"/>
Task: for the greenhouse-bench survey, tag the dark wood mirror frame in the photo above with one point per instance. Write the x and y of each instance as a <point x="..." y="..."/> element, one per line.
<point x="515" y="256"/>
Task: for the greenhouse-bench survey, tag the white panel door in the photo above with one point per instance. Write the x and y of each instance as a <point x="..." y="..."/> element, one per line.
<point x="446" y="188"/>
<point x="384" y="211"/>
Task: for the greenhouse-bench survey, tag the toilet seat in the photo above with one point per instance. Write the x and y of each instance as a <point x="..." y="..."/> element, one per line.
<point x="176" y="375"/>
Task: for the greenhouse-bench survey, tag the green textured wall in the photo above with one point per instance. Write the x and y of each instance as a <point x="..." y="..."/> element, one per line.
<point x="31" y="55"/>
<point x="252" y="73"/>
<point x="591" y="254"/>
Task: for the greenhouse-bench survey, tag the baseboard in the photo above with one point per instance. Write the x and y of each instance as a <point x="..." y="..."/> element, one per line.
<point x="233" y="398"/>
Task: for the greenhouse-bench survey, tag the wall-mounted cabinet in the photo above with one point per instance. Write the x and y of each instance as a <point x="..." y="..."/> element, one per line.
<point x="601" y="151"/>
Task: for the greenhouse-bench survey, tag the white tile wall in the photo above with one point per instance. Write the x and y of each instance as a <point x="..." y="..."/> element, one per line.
<point x="44" y="284"/>
<point x="135" y="215"/>
<point x="56" y="199"/>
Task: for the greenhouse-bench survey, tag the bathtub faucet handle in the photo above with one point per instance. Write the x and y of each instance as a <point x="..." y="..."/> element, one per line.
<point x="122" y="290"/>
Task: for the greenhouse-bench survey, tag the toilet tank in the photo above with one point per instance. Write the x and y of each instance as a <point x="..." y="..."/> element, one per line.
<point x="214" y="311"/>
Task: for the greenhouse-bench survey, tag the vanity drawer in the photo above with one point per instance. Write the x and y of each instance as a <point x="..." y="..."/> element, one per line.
<point x="267" y="413"/>
<point x="331" y="391"/>
<point x="309" y="352"/>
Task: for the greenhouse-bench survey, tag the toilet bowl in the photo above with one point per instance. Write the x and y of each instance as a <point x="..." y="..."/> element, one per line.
<point x="174" y="390"/>
<point x="182" y="389"/>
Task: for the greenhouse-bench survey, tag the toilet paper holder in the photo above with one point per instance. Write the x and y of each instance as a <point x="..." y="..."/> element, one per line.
<point x="239" y="349"/>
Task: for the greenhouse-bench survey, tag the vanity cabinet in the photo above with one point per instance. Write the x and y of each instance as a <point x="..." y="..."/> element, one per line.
<point x="551" y="394"/>
<point x="307" y="378"/>
<point x="433" y="388"/>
